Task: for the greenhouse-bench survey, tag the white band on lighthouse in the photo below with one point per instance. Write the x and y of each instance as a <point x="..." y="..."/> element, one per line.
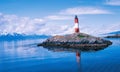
<point x="76" y="25"/>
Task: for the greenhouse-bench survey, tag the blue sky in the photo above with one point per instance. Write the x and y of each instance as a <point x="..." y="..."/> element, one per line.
<point x="56" y="16"/>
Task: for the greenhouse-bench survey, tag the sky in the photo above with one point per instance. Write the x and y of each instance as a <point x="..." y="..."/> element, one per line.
<point x="56" y="17"/>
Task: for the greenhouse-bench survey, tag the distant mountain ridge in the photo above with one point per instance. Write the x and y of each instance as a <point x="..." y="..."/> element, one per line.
<point x="16" y="36"/>
<point x="115" y="32"/>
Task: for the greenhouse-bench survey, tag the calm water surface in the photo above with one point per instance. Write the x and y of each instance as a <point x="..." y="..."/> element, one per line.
<point x="25" y="56"/>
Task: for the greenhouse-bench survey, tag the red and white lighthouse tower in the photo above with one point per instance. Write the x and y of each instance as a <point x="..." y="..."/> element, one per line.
<point x="76" y="24"/>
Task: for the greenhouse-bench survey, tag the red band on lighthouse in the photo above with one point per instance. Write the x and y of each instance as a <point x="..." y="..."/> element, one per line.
<point x="76" y="24"/>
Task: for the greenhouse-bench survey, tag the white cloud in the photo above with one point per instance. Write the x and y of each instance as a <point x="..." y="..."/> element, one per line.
<point x="113" y="2"/>
<point x="15" y="24"/>
<point x="113" y="27"/>
<point x="56" y="29"/>
<point x="58" y="17"/>
<point x="83" y="10"/>
<point x="102" y="29"/>
<point x="25" y="25"/>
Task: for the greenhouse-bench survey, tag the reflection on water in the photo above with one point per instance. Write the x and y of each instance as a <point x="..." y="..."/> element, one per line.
<point x="77" y="54"/>
<point x="78" y="57"/>
<point x="25" y="56"/>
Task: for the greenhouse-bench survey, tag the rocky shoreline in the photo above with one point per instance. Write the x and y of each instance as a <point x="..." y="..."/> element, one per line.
<point x="76" y="40"/>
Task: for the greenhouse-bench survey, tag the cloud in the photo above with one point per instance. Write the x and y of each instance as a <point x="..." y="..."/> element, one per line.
<point x="67" y="13"/>
<point x="113" y="2"/>
<point x="14" y="24"/>
<point x="83" y="10"/>
<point x="58" y="17"/>
<point x="113" y="27"/>
<point x="104" y="29"/>
<point x="25" y="25"/>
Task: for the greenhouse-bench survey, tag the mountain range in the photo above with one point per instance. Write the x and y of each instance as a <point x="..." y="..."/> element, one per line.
<point x="16" y="36"/>
<point x="115" y="32"/>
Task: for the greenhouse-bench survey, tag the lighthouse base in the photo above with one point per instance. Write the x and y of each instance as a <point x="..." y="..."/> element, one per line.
<point x="76" y="30"/>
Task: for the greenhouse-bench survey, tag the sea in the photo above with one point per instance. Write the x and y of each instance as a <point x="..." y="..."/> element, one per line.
<point x="26" y="56"/>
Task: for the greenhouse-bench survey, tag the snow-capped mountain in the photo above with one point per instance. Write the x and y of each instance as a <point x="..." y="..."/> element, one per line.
<point x="16" y="36"/>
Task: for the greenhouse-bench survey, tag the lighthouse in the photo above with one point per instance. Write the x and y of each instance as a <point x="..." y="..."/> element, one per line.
<point x="76" y="24"/>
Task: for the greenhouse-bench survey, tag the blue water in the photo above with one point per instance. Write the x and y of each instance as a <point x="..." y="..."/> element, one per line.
<point x="25" y="56"/>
